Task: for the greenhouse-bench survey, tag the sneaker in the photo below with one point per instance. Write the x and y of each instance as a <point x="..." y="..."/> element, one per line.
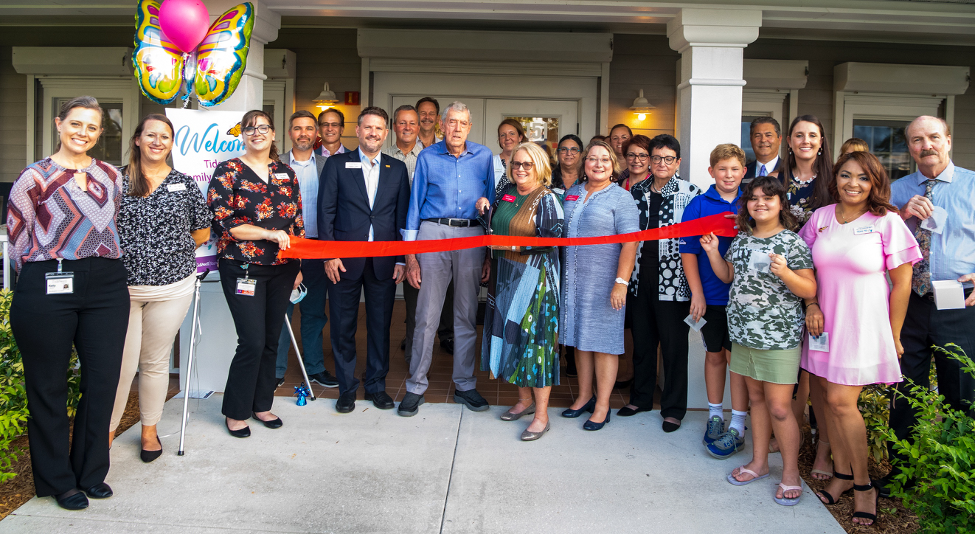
<point x="410" y="403"/>
<point x="471" y="399"/>
<point x="279" y="381"/>
<point x="325" y="379"/>
<point x="727" y="444"/>
<point x="714" y="428"/>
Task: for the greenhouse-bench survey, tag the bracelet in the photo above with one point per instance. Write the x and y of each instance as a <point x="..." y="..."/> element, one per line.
<point x="513" y="248"/>
<point x="809" y="304"/>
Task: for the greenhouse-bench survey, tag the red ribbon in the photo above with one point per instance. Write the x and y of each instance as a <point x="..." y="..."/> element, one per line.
<point x="304" y="248"/>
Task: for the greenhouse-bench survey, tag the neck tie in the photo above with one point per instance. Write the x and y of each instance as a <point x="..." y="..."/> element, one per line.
<point x="921" y="270"/>
<point x="762" y="171"/>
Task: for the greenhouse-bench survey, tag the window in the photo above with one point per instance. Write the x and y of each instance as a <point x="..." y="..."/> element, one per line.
<point x="887" y="141"/>
<point x="545" y="129"/>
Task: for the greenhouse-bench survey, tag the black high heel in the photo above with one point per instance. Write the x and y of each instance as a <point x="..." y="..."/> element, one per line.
<point x="861" y="514"/>
<point x="149" y="456"/>
<point x="575" y="413"/>
<point x="828" y="499"/>
<point x="591" y="425"/>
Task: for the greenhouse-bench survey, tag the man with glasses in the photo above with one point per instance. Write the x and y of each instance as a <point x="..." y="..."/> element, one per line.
<point x="307" y="166"/>
<point x="454" y="180"/>
<point x="765" y="138"/>
<point x="331" y="124"/>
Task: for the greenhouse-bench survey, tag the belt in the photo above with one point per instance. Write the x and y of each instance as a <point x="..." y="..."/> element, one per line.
<point x="452" y="222"/>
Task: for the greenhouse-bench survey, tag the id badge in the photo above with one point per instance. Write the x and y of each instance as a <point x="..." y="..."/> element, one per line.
<point x="760" y="261"/>
<point x="62" y="282"/>
<point x="818" y="343"/>
<point x="245" y="286"/>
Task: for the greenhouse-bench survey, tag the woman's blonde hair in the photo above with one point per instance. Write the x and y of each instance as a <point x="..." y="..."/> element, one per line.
<point x="541" y="162"/>
<point x="615" y="163"/>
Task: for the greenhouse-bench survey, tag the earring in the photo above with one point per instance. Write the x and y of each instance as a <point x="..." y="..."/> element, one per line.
<point x="819" y="152"/>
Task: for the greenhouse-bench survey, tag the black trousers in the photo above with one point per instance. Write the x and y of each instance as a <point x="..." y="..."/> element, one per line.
<point x="656" y="322"/>
<point x="925" y="326"/>
<point x="344" y="307"/>
<point x="94" y="318"/>
<point x="258" y="321"/>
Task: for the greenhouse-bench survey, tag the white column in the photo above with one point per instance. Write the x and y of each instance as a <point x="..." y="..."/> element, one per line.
<point x="249" y="93"/>
<point x="710" y="85"/>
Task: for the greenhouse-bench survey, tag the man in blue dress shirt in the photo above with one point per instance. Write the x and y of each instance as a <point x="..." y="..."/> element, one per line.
<point x="936" y="187"/>
<point x="452" y="176"/>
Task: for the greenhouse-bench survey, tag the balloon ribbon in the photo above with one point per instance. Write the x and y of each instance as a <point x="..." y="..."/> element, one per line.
<point x="305" y="248"/>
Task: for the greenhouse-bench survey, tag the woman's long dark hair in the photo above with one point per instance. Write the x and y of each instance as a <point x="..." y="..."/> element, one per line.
<point x="822" y="164"/>
<point x="138" y="185"/>
<point x="250" y="118"/>
<point x="771" y="186"/>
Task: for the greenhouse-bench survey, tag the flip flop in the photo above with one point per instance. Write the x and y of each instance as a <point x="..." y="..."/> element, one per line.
<point x="743" y="469"/>
<point x="787" y="501"/>
<point x="821" y="472"/>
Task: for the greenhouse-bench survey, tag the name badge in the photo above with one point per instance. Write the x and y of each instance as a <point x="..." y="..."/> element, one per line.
<point x="176" y="187"/>
<point x="60" y="283"/>
<point x="245" y="286"/>
<point x="760" y="261"/>
<point x="572" y="197"/>
<point x="864" y="230"/>
<point x="281" y="176"/>
<point x="508" y="198"/>
<point x="354" y="165"/>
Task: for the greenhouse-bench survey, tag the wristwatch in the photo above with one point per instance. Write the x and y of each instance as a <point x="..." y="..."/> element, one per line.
<point x="619" y="280"/>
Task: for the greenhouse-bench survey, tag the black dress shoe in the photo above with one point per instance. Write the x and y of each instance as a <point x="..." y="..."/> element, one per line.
<point x="270" y="424"/>
<point x="448" y="346"/>
<point x="471" y="399"/>
<point x="381" y="400"/>
<point x="410" y="403"/>
<point x="73" y="500"/>
<point x="627" y="411"/>
<point x="244" y="432"/>
<point x="149" y="456"/>
<point x="346" y="402"/>
<point x="99" y="491"/>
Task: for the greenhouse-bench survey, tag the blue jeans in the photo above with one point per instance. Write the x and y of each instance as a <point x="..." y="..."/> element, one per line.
<point x="314" y="319"/>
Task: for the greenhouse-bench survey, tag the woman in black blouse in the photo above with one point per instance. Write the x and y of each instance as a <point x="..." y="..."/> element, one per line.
<point x="163" y="219"/>
<point x="256" y="204"/>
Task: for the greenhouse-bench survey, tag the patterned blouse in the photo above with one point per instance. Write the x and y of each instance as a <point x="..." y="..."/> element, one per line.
<point x="155" y="230"/>
<point x="676" y="195"/>
<point x="50" y="217"/>
<point x="239" y="197"/>
<point x="799" y="196"/>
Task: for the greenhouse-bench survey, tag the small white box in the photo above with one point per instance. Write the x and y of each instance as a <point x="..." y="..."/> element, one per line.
<point x="948" y="295"/>
<point x="696" y="325"/>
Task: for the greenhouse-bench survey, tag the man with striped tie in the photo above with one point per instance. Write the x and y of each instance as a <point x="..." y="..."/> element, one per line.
<point x="765" y="138"/>
<point x="936" y="190"/>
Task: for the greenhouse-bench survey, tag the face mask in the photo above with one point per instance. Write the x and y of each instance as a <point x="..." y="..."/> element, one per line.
<point x="298" y="294"/>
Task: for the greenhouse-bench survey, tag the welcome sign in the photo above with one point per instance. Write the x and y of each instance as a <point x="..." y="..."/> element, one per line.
<point x="201" y="141"/>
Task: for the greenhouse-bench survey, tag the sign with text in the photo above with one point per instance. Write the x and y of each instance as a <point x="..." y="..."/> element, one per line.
<point x="202" y="139"/>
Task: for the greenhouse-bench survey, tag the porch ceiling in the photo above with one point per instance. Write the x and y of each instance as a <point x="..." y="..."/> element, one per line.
<point x="946" y="21"/>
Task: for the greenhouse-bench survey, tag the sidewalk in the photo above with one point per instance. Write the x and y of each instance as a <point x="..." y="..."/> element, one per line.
<point x="445" y="470"/>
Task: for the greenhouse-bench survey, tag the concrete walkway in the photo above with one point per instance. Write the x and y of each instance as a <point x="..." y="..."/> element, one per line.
<point x="445" y="470"/>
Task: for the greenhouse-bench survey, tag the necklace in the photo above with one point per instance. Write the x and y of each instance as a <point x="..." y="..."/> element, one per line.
<point x="845" y="219"/>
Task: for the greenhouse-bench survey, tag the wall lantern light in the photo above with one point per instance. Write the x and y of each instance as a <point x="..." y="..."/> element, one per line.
<point x="641" y="107"/>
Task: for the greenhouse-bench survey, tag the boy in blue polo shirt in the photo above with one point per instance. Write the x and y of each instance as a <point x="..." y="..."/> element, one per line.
<point x="727" y="165"/>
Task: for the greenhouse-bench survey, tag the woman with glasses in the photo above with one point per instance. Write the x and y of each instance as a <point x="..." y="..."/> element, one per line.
<point x="569" y="170"/>
<point x="637" y="159"/>
<point x="524" y="289"/>
<point x="257" y="208"/>
<point x="511" y="133"/>
<point x="660" y="295"/>
<point x="592" y="312"/>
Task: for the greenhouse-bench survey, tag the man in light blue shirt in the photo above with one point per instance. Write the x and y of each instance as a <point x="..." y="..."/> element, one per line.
<point x="937" y="187"/>
<point x="453" y="180"/>
<point x="307" y="166"/>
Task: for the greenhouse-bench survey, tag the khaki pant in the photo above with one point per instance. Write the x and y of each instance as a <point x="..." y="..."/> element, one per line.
<point x="152" y="328"/>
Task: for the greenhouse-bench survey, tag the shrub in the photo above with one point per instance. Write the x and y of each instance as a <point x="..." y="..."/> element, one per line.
<point x="13" y="395"/>
<point x="873" y="403"/>
<point x="937" y="481"/>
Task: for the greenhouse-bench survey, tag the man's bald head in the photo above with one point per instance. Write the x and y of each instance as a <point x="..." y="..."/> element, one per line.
<point x="924" y="119"/>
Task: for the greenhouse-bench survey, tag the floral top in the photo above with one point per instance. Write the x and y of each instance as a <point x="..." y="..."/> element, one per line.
<point x="676" y="195"/>
<point x="762" y="312"/>
<point x="239" y="197"/>
<point x="155" y="230"/>
<point x="49" y="216"/>
<point x="799" y="194"/>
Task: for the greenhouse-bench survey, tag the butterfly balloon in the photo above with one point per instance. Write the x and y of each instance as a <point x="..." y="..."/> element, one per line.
<point x="212" y="71"/>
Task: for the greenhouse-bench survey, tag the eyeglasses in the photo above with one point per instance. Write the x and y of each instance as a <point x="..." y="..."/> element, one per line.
<point x="669" y="160"/>
<point x="521" y="165"/>
<point x="329" y="125"/>
<point x="568" y="150"/>
<point x="634" y="156"/>
<point x="594" y="161"/>
<point x="261" y="129"/>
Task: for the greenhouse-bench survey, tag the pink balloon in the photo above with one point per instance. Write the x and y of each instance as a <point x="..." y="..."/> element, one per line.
<point x="185" y="22"/>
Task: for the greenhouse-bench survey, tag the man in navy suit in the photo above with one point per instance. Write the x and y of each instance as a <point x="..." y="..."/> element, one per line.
<point x="765" y="138"/>
<point x="363" y="196"/>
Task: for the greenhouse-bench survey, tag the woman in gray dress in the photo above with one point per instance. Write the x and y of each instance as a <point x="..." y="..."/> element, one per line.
<point x="593" y="297"/>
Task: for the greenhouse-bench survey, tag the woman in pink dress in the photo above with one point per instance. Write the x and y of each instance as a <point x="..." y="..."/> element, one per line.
<point x="854" y="243"/>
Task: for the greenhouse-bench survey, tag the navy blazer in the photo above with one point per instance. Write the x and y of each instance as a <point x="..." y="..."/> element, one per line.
<point x="751" y="169"/>
<point x="345" y="213"/>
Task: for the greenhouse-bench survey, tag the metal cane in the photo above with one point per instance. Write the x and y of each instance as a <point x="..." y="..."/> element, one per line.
<point x="193" y="344"/>
<point x="298" y="354"/>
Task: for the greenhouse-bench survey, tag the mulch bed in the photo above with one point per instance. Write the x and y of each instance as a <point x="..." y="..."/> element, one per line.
<point x="893" y="517"/>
